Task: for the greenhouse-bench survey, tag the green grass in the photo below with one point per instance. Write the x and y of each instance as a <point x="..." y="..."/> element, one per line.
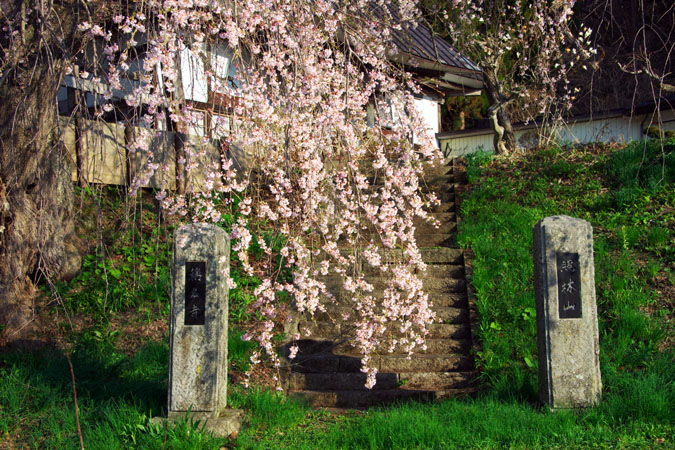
<point x="509" y="197"/>
<point x="622" y="193"/>
<point x="636" y="413"/>
<point x="117" y="397"/>
<point x="646" y="165"/>
<point x="127" y="266"/>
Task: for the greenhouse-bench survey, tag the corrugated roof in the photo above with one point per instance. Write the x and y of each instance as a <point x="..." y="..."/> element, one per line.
<point x="421" y="43"/>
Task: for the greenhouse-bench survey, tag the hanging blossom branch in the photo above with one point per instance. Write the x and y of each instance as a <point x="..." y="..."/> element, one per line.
<point x="306" y="71"/>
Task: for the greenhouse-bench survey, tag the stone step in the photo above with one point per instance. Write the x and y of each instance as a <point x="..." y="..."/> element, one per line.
<point x="447" y="200"/>
<point x="431" y="180"/>
<point x="437" y="278"/>
<point x="449" y="299"/>
<point x="348" y="381"/>
<point x="442" y="255"/>
<point x="434" y="346"/>
<point x="440" y="173"/>
<point x="435" y="239"/>
<point x="447" y="205"/>
<point x="329" y="363"/>
<point x="446" y="196"/>
<point x="434" y="182"/>
<point x="327" y="369"/>
<point x="444" y="314"/>
<point x="434" y="170"/>
<point x="347" y="347"/>
<point x="384" y="381"/>
<point x="437" y="380"/>
<point x="425" y="363"/>
<point x="366" y="398"/>
<point x="359" y="399"/>
<point x="440" y="168"/>
<point x="340" y="331"/>
<point x="430" y="255"/>
<point x="447" y="224"/>
<point x="434" y="286"/>
<point x="451" y="271"/>
<point x="455" y="271"/>
<point x="442" y="217"/>
<point x="438" y="299"/>
<point x="424" y="228"/>
<point x="440" y="188"/>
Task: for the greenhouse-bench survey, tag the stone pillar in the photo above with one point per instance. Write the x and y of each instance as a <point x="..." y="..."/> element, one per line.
<point x="567" y="318"/>
<point x="199" y="318"/>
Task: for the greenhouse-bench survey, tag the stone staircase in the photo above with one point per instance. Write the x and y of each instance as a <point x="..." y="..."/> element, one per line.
<point x="326" y="371"/>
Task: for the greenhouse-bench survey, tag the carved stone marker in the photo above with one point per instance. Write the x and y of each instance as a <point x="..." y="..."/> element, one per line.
<point x="567" y="318"/>
<point x="199" y="317"/>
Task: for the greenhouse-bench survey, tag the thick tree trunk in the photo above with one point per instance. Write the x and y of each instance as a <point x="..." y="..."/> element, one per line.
<point x="36" y="194"/>
<point x="504" y="138"/>
<point x="38" y="197"/>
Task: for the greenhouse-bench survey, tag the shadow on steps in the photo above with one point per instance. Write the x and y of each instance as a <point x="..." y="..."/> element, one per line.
<point x="324" y="378"/>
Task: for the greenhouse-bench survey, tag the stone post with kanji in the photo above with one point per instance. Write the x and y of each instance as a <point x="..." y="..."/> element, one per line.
<point x="199" y="319"/>
<point x="567" y="318"/>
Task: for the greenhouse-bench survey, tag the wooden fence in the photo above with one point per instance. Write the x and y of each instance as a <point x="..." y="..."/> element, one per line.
<point x="104" y="158"/>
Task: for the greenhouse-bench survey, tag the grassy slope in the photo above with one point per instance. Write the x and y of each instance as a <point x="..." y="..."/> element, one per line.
<point x="633" y="220"/>
<point x="634" y="256"/>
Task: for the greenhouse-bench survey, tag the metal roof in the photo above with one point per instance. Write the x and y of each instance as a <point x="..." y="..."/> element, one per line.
<point x="420" y="42"/>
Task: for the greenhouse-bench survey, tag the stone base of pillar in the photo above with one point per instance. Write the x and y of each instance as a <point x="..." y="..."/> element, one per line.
<point x="225" y="424"/>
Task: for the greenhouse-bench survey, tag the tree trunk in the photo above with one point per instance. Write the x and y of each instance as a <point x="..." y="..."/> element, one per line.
<point x="36" y="194"/>
<point x="37" y="207"/>
<point x="504" y="138"/>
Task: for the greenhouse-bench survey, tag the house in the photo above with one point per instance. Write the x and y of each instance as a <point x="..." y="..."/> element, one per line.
<point x="100" y="151"/>
<point x="440" y="69"/>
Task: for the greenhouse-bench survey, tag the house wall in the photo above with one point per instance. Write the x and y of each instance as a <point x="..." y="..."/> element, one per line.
<point x="426" y="106"/>
<point x="459" y="146"/>
<point x="667" y="121"/>
<point x="618" y="129"/>
<point x="102" y="149"/>
<point x="668" y="118"/>
<point x="428" y="109"/>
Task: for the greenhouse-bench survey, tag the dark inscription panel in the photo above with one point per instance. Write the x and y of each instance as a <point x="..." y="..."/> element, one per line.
<point x="195" y="292"/>
<point x="569" y="285"/>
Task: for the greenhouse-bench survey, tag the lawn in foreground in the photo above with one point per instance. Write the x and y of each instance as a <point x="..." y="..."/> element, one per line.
<point x="117" y="400"/>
